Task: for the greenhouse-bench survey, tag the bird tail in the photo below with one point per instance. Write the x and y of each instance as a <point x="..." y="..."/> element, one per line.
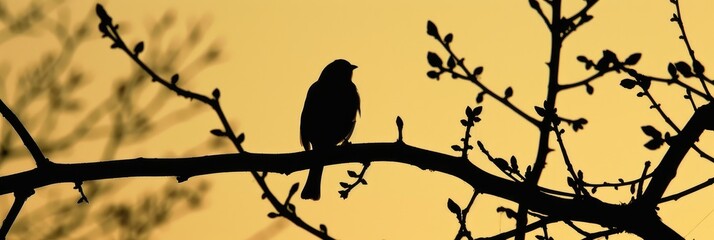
<point x="312" y="186"/>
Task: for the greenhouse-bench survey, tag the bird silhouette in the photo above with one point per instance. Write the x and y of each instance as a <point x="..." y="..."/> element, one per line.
<point x="328" y="117"/>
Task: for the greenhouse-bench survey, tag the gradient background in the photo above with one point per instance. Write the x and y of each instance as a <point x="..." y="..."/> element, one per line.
<point x="274" y="50"/>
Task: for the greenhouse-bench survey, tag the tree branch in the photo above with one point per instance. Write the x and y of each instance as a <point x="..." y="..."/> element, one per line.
<point x="25" y="136"/>
<point x="589" y="210"/>
<point x="20" y="198"/>
<point x="667" y="169"/>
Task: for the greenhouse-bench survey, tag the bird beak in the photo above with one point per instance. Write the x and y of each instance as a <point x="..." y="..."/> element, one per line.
<point x="354" y="67"/>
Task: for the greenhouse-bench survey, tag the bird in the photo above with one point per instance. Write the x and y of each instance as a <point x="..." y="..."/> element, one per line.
<point x="328" y="116"/>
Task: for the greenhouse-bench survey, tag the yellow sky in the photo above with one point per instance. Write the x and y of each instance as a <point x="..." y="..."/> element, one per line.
<point x="275" y="49"/>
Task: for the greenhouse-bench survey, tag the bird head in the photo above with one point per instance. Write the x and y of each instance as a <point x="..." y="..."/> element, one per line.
<point x="338" y="70"/>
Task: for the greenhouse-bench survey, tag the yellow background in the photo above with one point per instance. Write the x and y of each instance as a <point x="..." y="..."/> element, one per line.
<point x="274" y="50"/>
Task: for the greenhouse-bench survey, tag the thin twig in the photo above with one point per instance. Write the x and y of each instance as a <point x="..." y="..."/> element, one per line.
<point x="691" y="190"/>
<point x="526" y="229"/>
<point x="20" y="198"/>
<point x="25" y="136"/>
<point x="680" y="23"/>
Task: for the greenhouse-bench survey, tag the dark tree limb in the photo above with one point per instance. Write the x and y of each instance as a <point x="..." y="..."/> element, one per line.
<point x="37" y="155"/>
<point x="20" y="198"/>
<point x="702" y="119"/>
<point x="627" y="217"/>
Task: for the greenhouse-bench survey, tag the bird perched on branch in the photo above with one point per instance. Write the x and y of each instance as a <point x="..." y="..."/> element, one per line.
<point x="328" y="116"/>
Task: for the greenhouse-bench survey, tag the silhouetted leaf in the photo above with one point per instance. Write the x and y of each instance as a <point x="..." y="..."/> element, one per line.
<point x="604" y="62"/>
<point x="684" y="69"/>
<point x="218" y="132"/>
<point x="434" y="59"/>
<point x="174" y="79"/>
<point x="477" y="110"/>
<point x="579" y="124"/>
<point x="240" y="138"/>
<point x="431" y="30"/>
<point x="628" y="83"/>
<point x="674" y="15"/>
<point x="293" y="188"/>
<point x="594" y="190"/>
<point x="352" y="174"/>
<point x="571" y="182"/>
<point x="501" y="164"/>
<point x="672" y="70"/>
<point x="583" y="59"/>
<point x="343" y="194"/>
<point x="508" y="93"/>
<point x="621" y="180"/>
<point x="652" y="132"/>
<point x="479" y="97"/>
<point x="138" y="48"/>
<point x="102" y="14"/>
<point x="400" y="123"/>
<point x="654" y="144"/>
<point x="363" y="181"/>
<point x="453" y="207"/>
<point x="589" y="89"/>
<point x="216" y="93"/>
<point x="633" y="59"/>
<point x="272" y="215"/>
<point x="451" y="63"/>
<point x="468" y="111"/>
<point x="323" y="228"/>
<point x="645" y="83"/>
<point x="540" y="111"/>
<point x="698" y="67"/>
<point x="478" y="70"/>
<point x="534" y="4"/>
<point x="344" y="185"/>
<point x="632" y="188"/>
<point x="466" y="123"/>
<point x="456" y="148"/>
<point x="514" y="163"/>
<point x="580" y="174"/>
<point x="433" y="74"/>
<point x="449" y="37"/>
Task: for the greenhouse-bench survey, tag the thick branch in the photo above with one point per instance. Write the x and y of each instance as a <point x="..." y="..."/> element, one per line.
<point x="590" y="210"/>
<point x="667" y="169"/>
